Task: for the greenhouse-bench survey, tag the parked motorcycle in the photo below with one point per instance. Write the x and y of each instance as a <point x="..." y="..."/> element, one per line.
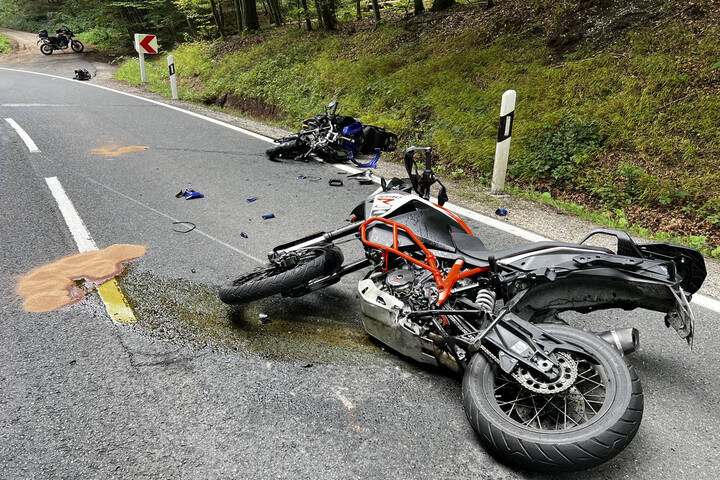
<point x="540" y="394"/>
<point x="63" y="39"/>
<point x="334" y="138"/>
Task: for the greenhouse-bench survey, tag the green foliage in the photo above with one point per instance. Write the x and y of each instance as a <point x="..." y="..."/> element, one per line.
<point x="561" y="152"/>
<point x="4" y="44"/>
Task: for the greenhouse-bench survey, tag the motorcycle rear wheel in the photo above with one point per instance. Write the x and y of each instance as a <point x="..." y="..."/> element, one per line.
<point x="287" y="150"/>
<point x="605" y="406"/>
<point x="46" y="49"/>
<point x="77" y="46"/>
<point x="312" y="263"/>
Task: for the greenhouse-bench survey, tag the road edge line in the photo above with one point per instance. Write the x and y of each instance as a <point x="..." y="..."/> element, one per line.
<point x="114" y="300"/>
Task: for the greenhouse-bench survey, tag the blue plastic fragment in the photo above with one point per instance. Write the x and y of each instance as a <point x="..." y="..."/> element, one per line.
<point x="301" y="177"/>
<point x="501" y="211"/>
<point x="268" y="216"/>
<point x="252" y="199"/>
<point x="190" y="194"/>
<point x="243" y="235"/>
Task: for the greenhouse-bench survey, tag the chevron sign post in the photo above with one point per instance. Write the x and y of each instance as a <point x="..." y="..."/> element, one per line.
<point x="145" y="44"/>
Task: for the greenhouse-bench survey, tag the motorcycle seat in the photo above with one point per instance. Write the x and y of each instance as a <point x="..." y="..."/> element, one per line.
<point x="474" y="247"/>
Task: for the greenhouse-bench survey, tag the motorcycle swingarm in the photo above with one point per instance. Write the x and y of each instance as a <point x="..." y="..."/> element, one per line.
<point x="518" y="341"/>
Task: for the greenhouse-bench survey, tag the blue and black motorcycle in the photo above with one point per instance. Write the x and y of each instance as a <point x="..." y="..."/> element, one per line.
<point x="334" y="138"/>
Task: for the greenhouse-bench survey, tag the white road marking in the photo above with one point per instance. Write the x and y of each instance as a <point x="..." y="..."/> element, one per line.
<point x="35" y="105"/>
<point x="77" y="227"/>
<point x="698" y="299"/>
<point x="112" y="297"/>
<point x="23" y="134"/>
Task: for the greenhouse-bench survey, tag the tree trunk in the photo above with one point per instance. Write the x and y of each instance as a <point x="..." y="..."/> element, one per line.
<point x="419" y="7"/>
<point x="238" y="16"/>
<point x="441" y="5"/>
<point x="308" y="22"/>
<point x="376" y="9"/>
<point x="318" y="7"/>
<point x="216" y="17"/>
<point x="250" y="16"/>
<point x="358" y="12"/>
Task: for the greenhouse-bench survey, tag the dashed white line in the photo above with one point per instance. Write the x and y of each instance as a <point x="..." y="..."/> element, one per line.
<point x="77" y="227"/>
<point x="23" y="135"/>
<point x="698" y="299"/>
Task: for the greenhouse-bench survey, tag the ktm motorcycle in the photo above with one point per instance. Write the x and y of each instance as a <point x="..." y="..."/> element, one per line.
<point x="540" y="394"/>
<point x="63" y="39"/>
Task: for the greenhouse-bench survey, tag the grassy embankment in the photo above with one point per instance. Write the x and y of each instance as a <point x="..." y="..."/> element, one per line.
<point x="4" y="44"/>
<point x="629" y="129"/>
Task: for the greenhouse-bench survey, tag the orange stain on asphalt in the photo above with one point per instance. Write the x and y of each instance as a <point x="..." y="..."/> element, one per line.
<point x="54" y="285"/>
<point x="116" y="151"/>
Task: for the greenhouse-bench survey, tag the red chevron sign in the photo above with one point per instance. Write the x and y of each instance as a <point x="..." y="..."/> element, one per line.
<point x="146" y="43"/>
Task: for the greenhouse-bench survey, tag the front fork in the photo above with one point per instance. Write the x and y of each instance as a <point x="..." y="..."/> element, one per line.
<point x="316" y="239"/>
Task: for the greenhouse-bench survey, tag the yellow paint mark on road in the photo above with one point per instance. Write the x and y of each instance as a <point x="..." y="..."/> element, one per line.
<point x="115" y="302"/>
<point x="116" y="151"/>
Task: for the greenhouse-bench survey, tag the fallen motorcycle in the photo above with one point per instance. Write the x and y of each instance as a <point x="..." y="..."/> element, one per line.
<point x="334" y="138"/>
<point x="63" y="40"/>
<point x="540" y="394"/>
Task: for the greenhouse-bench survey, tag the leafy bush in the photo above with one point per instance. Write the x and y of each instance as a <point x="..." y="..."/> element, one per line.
<point x="4" y="44"/>
<point x="561" y="153"/>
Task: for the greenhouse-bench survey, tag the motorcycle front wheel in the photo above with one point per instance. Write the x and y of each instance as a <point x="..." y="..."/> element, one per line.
<point x="77" y="46"/>
<point x="573" y="429"/>
<point x="307" y="264"/>
<point x="46" y="49"/>
<point x="287" y="150"/>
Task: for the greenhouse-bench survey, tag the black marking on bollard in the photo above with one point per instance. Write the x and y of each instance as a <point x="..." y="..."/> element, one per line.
<point x="503" y="127"/>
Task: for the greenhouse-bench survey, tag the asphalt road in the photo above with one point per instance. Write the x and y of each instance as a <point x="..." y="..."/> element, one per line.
<point x="195" y="389"/>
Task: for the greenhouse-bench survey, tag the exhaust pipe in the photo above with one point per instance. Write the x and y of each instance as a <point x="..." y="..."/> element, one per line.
<point x="626" y="340"/>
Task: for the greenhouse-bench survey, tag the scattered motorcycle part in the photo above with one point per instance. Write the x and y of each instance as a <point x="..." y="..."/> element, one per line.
<point x="335" y="182"/>
<point x="263" y="319"/>
<point x="82" y="74"/>
<point x="243" y="235"/>
<point x="251" y="199"/>
<point x="268" y="216"/>
<point x="190" y="227"/>
<point x="626" y="340"/>
<point x="502" y="212"/>
<point x="363" y="178"/>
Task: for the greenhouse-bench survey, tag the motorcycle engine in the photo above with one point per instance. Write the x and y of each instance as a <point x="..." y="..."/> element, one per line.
<point x="414" y="287"/>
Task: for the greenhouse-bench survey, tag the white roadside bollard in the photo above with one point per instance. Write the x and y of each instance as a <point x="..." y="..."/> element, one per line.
<point x="502" y="150"/>
<point x="173" y="80"/>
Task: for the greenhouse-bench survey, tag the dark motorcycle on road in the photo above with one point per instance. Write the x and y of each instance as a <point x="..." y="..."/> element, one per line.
<point x="334" y="138"/>
<point x="540" y="394"/>
<point x="63" y="39"/>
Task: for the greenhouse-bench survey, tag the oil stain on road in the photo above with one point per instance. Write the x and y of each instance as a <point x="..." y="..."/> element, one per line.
<point x="68" y="280"/>
<point x="309" y="329"/>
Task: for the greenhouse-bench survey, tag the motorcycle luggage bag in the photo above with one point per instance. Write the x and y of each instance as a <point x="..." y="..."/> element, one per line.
<point x="43" y="34"/>
<point x="377" y="137"/>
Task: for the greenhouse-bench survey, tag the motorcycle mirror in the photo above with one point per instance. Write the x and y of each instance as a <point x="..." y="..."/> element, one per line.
<point x="442" y="195"/>
<point x="383" y="184"/>
<point x="332" y="106"/>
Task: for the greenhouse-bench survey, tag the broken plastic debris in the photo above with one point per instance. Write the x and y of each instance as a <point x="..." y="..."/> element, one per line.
<point x="335" y="182"/>
<point x="363" y="178"/>
<point x="301" y="177"/>
<point x="252" y="199"/>
<point x="501" y="212"/>
<point x="560" y="212"/>
<point x="243" y="235"/>
<point x="263" y="318"/>
<point x="189" y="193"/>
<point x="268" y="216"/>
